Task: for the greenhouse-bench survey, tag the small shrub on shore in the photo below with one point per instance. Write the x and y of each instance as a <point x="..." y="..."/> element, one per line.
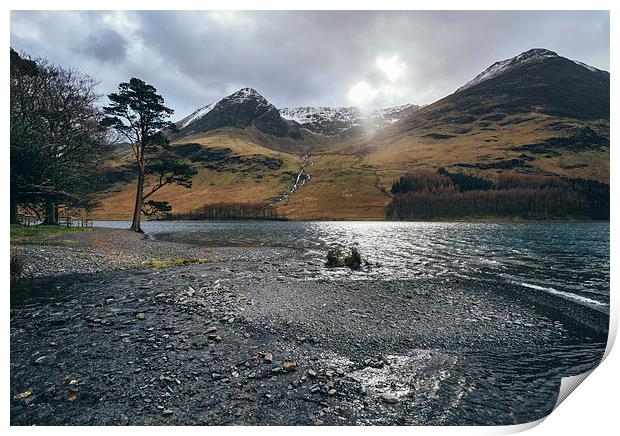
<point x="17" y="264"/>
<point x="335" y="259"/>
<point x="167" y="263"/>
<point x="354" y="260"/>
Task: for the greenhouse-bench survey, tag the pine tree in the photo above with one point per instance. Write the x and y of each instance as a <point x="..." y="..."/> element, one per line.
<point x="139" y="115"/>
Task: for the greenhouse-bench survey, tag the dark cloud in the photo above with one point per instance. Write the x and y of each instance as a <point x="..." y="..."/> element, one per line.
<point x="303" y="58"/>
<point x="106" y="45"/>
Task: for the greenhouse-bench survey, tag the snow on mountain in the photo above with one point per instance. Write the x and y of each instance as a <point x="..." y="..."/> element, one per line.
<point x="504" y="66"/>
<point x="394" y="113"/>
<point x="197" y="114"/>
<point x="245" y="94"/>
<point x="335" y="120"/>
<point x="589" y="67"/>
<point x="323" y="120"/>
<point x="501" y="67"/>
<point x="309" y="114"/>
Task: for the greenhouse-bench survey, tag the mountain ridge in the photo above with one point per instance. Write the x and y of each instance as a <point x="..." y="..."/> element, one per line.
<point x="548" y="117"/>
<point x="325" y="120"/>
<point x="527" y="57"/>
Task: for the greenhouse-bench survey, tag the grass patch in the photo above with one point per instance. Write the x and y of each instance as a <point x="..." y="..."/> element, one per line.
<point x="177" y="261"/>
<point x="40" y="234"/>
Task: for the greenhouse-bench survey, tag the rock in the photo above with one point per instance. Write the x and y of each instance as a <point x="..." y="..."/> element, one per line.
<point x="140" y="316"/>
<point x="312" y="373"/>
<point x="289" y="365"/>
<point x="167" y="412"/>
<point x="268" y="357"/>
<point x="374" y="363"/>
<point x="331" y="392"/>
<point x="318" y="422"/>
<point x="389" y="398"/>
<point x="41" y="360"/>
<point x="211" y="329"/>
<point x="22" y="395"/>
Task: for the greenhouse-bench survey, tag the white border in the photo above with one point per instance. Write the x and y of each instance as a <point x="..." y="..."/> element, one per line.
<point x="592" y="409"/>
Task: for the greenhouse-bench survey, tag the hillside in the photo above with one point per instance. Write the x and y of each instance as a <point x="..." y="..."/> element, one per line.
<point x="537" y="113"/>
<point x="545" y="114"/>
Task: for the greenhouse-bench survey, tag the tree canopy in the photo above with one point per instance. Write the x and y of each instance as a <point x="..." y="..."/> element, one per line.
<point x="58" y="145"/>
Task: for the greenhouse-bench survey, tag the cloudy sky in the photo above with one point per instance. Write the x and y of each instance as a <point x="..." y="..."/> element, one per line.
<point x="370" y="59"/>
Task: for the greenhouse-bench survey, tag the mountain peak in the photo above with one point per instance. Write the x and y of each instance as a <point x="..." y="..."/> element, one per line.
<point x="240" y="109"/>
<point x="536" y="52"/>
<point x="500" y="67"/>
<point x="247" y="94"/>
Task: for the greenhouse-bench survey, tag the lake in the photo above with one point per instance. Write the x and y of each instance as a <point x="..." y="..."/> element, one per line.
<point x="566" y="259"/>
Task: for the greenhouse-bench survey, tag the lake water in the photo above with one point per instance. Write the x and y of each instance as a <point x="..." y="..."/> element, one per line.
<point x="567" y="259"/>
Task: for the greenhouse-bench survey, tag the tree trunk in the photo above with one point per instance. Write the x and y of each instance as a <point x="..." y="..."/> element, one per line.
<point x="50" y="214"/>
<point x="137" y="212"/>
<point x="13" y="211"/>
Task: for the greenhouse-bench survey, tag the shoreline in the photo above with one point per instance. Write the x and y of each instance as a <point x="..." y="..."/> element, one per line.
<point x="243" y="340"/>
<point x="438" y="220"/>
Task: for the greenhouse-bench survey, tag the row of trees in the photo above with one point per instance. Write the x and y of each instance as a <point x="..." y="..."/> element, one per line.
<point x="233" y="211"/>
<point x="61" y="140"/>
<point x="427" y="195"/>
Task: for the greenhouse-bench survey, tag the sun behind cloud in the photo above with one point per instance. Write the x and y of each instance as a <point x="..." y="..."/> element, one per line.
<point x="392" y="67"/>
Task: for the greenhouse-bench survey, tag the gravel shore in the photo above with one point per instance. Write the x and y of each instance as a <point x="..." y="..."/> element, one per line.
<point x="98" y="339"/>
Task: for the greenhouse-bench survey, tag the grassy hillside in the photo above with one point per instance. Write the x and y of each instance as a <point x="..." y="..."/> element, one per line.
<point x="231" y="167"/>
<point x="350" y="179"/>
<point x="549" y="117"/>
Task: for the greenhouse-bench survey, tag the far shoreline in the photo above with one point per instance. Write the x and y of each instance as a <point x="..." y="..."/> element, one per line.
<point x="460" y="220"/>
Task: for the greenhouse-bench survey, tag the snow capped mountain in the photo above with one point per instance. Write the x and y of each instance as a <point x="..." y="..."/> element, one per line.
<point x="241" y="97"/>
<point x="501" y="67"/>
<point x="241" y="109"/>
<point x="527" y="57"/>
<point x="336" y="120"/>
<point x="247" y="102"/>
<point x="247" y="107"/>
<point x="308" y="114"/>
